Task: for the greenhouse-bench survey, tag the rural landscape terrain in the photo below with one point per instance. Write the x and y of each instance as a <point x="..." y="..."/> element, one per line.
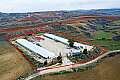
<point x="98" y="30"/>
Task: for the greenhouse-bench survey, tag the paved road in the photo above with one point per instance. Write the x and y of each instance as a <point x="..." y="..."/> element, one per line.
<point x="46" y="70"/>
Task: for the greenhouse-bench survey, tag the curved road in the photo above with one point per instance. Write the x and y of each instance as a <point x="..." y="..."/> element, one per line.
<point x="50" y="69"/>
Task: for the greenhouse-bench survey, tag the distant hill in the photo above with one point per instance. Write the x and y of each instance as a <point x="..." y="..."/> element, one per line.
<point x="32" y="18"/>
<point x="99" y="11"/>
<point x="92" y="11"/>
<point x="11" y="15"/>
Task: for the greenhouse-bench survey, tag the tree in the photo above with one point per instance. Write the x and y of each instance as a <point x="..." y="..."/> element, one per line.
<point x="59" y="58"/>
<point x="71" y="43"/>
<point x="85" y="51"/>
<point x="45" y="63"/>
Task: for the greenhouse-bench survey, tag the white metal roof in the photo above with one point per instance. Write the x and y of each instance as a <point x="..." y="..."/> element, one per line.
<point x="37" y="49"/>
<point x="82" y="46"/>
<point x="63" y="40"/>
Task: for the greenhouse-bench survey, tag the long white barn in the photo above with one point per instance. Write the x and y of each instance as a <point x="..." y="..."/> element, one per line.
<point x="65" y="41"/>
<point x="36" y="49"/>
<point x="60" y="39"/>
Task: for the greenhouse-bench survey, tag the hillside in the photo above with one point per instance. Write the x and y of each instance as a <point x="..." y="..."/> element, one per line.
<point x="12" y="64"/>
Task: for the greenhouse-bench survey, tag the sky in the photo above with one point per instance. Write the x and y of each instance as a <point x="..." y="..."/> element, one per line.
<point x="20" y="6"/>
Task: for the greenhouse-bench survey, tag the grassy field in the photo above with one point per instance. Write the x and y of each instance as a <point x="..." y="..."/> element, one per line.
<point x="102" y="34"/>
<point x="105" y="40"/>
<point x="109" y="44"/>
<point x="116" y="22"/>
<point x="12" y="64"/>
<point x="107" y="70"/>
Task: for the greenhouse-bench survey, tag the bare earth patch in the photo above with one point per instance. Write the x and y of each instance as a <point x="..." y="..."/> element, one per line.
<point x="12" y="64"/>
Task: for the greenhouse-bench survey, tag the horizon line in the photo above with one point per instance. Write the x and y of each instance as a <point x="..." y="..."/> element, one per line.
<point x="58" y="10"/>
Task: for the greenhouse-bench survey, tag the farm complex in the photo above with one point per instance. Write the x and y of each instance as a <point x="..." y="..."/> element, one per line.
<point x="45" y="48"/>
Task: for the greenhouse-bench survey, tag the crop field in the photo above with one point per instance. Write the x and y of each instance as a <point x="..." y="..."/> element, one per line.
<point x="102" y="35"/>
<point x="12" y="64"/>
<point x="109" y="44"/>
<point x="116" y="22"/>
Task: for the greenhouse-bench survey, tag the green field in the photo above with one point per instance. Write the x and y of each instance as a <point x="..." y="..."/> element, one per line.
<point x="109" y="44"/>
<point x="102" y="35"/>
<point x="105" y="40"/>
<point x="116" y="22"/>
